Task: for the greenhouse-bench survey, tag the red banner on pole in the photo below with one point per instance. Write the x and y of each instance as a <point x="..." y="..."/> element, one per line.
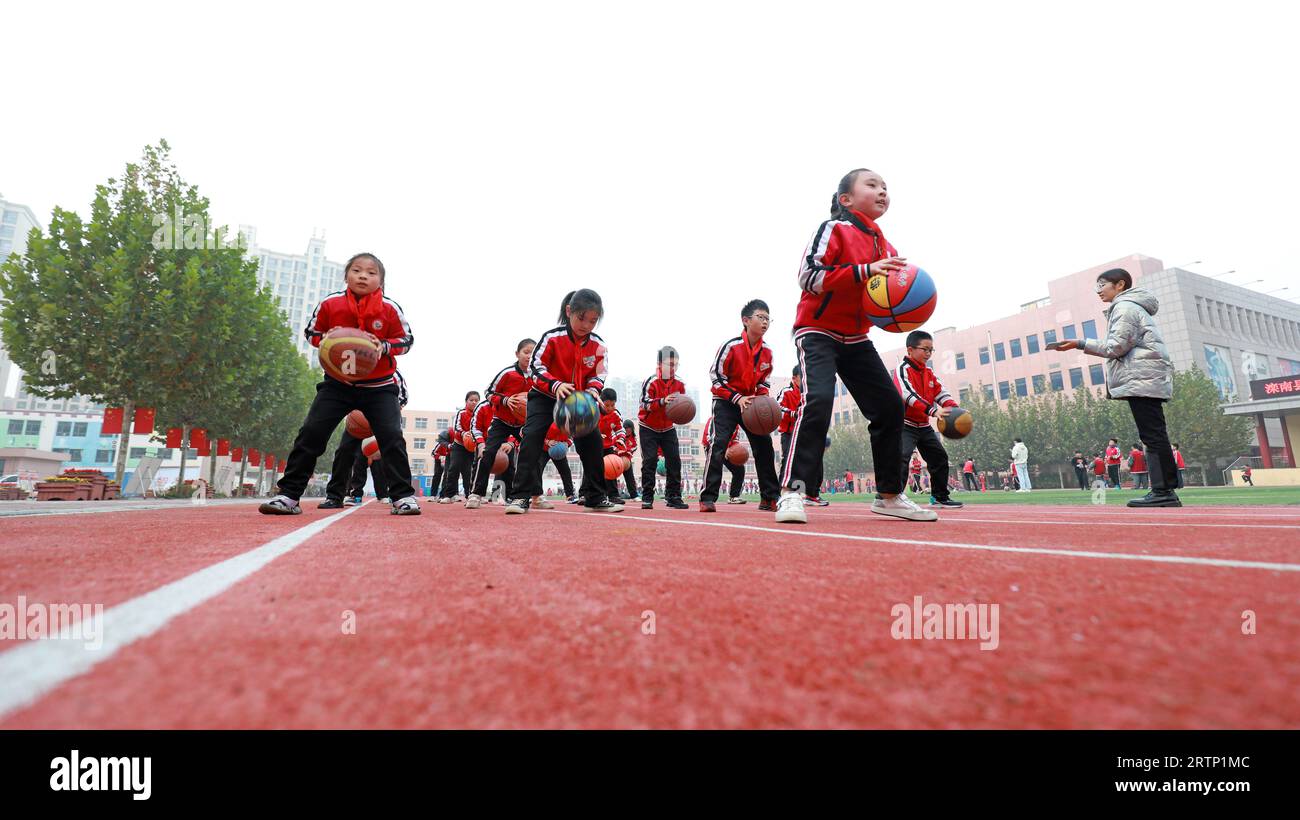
<point x="237" y="455"/>
<point x="270" y="463"/>
<point x="254" y="458"/>
<point x="223" y="446"/>
<point x="199" y="441"/>
<point x="143" y="420"/>
<point x="112" y="421"/>
<point x="174" y="437"/>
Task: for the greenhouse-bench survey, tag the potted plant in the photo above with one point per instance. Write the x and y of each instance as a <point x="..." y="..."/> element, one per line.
<point x="64" y="488"/>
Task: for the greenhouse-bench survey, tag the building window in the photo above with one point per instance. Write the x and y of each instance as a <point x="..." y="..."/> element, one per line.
<point x="442" y="424"/>
<point x="1031" y="341"/>
<point x="417" y="465"/>
<point x="421" y="423"/>
<point x="1076" y="377"/>
<point x="136" y="452"/>
<point x="401" y="423"/>
<point x="15" y="427"/>
<point x="988" y="392"/>
<point x="420" y="444"/>
<point x="963" y="395"/>
<point x="1022" y="388"/>
<point x="73" y="455"/>
<point x="961" y="361"/>
<point x="1040" y="383"/>
<point x="984" y="358"/>
<point x="103" y="456"/>
<point x="1090" y="329"/>
<point x="1004" y="390"/>
<point x="1016" y="353"/>
<point x="1058" y="383"/>
<point x="165" y="453"/>
<point x="1096" y="375"/>
<point x="999" y="351"/>
<point x="64" y="428"/>
<point x="1068" y="332"/>
<point x="190" y="453"/>
<point x="1049" y="337"/>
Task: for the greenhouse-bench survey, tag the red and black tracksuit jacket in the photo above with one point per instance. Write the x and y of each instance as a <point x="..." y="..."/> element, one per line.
<point x="556" y="434"/>
<point x="789" y="399"/>
<point x="833" y="276"/>
<point x="560" y="357"/>
<point x="923" y="394"/>
<point x="741" y="369"/>
<point x="654" y="413"/>
<point x="460" y="425"/>
<point x="481" y="420"/>
<point x="391" y="327"/>
<point x="612" y="435"/>
<point x="508" y="382"/>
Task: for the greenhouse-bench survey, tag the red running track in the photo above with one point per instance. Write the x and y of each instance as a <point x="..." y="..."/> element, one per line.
<point x="475" y="619"/>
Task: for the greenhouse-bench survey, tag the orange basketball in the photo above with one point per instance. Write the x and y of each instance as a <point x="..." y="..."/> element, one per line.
<point x="357" y="426"/>
<point x="738" y="454"/>
<point x="958" y="424"/>
<point x="682" y="410"/>
<point x="762" y="416"/>
<point x="613" y="466"/>
<point x="347" y="354"/>
<point x="468" y="442"/>
<point x="501" y="463"/>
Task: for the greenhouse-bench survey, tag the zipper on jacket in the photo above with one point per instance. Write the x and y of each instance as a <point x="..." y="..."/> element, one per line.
<point x="826" y="300"/>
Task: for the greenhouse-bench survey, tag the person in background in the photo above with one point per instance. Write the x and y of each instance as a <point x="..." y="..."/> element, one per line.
<point x="1245" y="476"/>
<point x="1020" y="463"/>
<point x="1182" y="466"/>
<point x="968" y="475"/>
<point x="1112" y="463"/>
<point x="1080" y="465"/>
<point x="1137" y="466"/>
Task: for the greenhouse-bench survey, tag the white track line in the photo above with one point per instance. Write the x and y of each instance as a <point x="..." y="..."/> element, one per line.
<point x="180" y="504"/>
<point x="1090" y="512"/>
<point x="34" y="668"/>
<point x="948" y="517"/>
<point x="1068" y="553"/>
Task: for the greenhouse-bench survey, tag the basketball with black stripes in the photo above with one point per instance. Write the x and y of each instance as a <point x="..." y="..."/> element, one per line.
<point x="737" y="454"/>
<point x="901" y="300"/>
<point x="681" y="410"/>
<point x="357" y="426"/>
<point x="762" y="416"/>
<point x="348" y="354"/>
<point x="958" y="424"/>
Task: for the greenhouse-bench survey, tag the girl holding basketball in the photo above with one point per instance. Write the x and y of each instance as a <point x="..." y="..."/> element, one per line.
<point x="361" y="305"/>
<point x="461" y="458"/>
<point x="567" y="358"/>
<point x="830" y="335"/>
<point x="507" y="396"/>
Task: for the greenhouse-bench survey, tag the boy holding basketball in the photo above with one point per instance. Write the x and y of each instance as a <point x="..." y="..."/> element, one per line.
<point x="924" y="398"/>
<point x="360" y="305"/>
<point x="741" y="371"/>
<point x="658" y="433"/>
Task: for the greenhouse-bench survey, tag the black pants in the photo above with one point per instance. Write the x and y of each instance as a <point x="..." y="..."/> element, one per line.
<point x="629" y="477"/>
<point x="561" y="469"/>
<point x="1149" y="416"/>
<point x="348" y="475"/>
<point x="932" y="450"/>
<point x="1112" y="471"/>
<point x="864" y="375"/>
<point x="528" y="481"/>
<point x="435" y="486"/>
<point x="737" y="485"/>
<point x="1081" y="474"/>
<point x="651" y="442"/>
<point x="497" y="434"/>
<point x="459" y="464"/>
<point x="968" y="479"/>
<point x="785" y="451"/>
<point x="726" y="418"/>
<point x="333" y="401"/>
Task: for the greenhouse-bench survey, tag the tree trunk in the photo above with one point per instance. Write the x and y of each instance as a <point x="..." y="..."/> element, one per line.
<point x="212" y="467"/>
<point x="243" y="465"/>
<point x="1205" y="481"/>
<point x="124" y="441"/>
<point x="1060" y="474"/>
<point x="185" y="449"/>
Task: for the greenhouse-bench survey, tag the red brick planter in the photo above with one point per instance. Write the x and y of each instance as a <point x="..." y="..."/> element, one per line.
<point x="95" y="478"/>
<point x="63" y="491"/>
<point x="13" y="494"/>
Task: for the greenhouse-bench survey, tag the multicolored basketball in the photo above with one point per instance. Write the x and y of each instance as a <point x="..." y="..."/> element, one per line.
<point x="661" y="468"/>
<point x="357" y="426"/>
<point x="347" y="354"/>
<point x="578" y="414"/>
<point x="501" y="463"/>
<point x="762" y="416"/>
<point x="738" y="454"/>
<point x="682" y="409"/>
<point x="558" y="450"/>
<point x="900" y="301"/>
<point x="370" y="449"/>
<point x="958" y="424"/>
<point x="613" y="466"/>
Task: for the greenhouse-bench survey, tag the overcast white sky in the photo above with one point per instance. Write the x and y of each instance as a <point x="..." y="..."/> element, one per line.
<point x="675" y="156"/>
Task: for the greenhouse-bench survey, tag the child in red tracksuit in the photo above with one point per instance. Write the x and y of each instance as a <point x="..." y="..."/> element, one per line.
<point x="737" y="471"/>
<point x="790" y="397"/>
<point x="659" y="434"/>
<point x="629" y="475"/>
<point x="742" y="370"/>
<point x="461" y="459"/>
<point x="924" y="399"/>
<point x="567" y="358"/>
<point x="830" y="335"/>
<point x="507" y="400"/>
<point x="554" y="436"/>
<point x="613" y="440"/>
<point x="360" y="305"/>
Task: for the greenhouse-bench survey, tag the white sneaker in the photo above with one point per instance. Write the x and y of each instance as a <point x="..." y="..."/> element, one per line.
<point x="473" y="502"/>
<point x="517" y="506"/>
<point x="409" y="505"/>
<point x="385" y="500"/>
<point x="542" y="504"/>
<point x="456" y="499"/>
<point x="789" y="508"/>
<point x="900" y="506"/>
<point x="444" y="500"/>
<point x="736" y="500"/>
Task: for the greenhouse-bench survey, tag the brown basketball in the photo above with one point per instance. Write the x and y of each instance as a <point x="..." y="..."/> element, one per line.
<point x="347" y="354"/>
<point x="467" y="441"/>
<point x="738" y="454"/>
<point x="357" y="426"/>
<point x="958" y="424"/>
<point x="613" y="466"/>
<point x="762" y="416"/>
<point x="682" y="410"/>
<point x="502" y="462"/>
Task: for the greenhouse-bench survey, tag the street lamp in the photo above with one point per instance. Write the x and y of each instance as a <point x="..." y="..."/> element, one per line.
<point x="1225" y="273"/>
<point x="1279" y="290"/>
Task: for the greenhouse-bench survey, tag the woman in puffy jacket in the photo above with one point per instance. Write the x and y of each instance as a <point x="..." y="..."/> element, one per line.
<point x="1138" y="371"/>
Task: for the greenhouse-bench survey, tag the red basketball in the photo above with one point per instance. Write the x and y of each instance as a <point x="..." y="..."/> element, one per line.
<point x="502" y="462"/>
<point x="762" y="416"/>
<point x="370" y="449"/>
<point x="682" y="409"/>
<point x="900" y="301"/>
<point x="468" y="442"/>
<point x="347" y="354"/>
<point x="613" y="466"/>
<point x="738" y="454"/>
<point x="357" y="426"/>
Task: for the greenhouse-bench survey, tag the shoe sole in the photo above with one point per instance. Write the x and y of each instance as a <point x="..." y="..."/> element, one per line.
<point x="1158" y="504"/>
<point x="267" y="509"/>
<point x="791" y="518"/>
<point x="411" y="511"/>
<point x="907" y="515"/>
<point x="515" y="511"/>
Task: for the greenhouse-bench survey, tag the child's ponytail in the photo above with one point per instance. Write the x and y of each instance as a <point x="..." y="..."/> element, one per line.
<point x="564" y="319"/>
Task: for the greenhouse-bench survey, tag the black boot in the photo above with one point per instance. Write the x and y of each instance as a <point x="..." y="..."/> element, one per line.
<point x="1157" y="498"/>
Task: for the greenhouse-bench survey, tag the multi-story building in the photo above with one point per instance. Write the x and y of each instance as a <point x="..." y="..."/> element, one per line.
<point x="420" y="428"/>
<point x="1231" y="333"/>
<point x="16" y="221"/>
<point x="298" y="281"/>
